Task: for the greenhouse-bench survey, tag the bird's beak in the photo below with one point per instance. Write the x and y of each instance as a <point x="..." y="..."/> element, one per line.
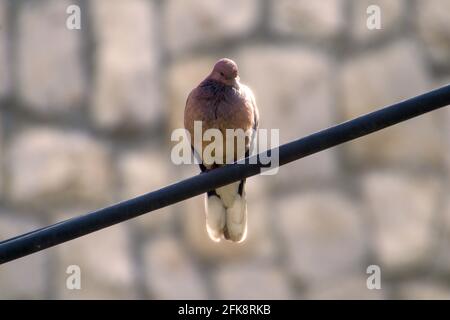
<point x="235" y="82"/>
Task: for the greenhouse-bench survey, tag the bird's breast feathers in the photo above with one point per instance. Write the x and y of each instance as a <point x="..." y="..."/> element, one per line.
<point x="221" y="107"/>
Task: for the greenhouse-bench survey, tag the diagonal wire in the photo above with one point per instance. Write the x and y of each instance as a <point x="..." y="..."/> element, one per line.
<point x="44" y="238"/>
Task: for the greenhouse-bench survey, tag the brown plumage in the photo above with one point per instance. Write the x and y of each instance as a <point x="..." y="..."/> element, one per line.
<point x="221" y="102"/>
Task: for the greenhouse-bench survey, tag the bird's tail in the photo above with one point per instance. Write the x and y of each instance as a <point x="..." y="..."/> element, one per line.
<point x="226" y="212"/>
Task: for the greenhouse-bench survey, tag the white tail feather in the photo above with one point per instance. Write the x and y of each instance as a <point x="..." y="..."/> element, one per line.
<point x="226" y="214"/>
<point x="228" y="193"/>
<point x="236" y="220"/>
<point x="215" y="217"/>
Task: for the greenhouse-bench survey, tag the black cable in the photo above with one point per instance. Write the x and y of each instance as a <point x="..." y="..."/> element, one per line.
<point x="41" y="239"/>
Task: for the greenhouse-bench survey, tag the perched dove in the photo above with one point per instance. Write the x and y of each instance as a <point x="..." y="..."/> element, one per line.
<point x="221" y="102"/>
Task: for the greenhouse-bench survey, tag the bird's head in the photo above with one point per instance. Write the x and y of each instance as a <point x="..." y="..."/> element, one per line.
<point x="225" y="71"/>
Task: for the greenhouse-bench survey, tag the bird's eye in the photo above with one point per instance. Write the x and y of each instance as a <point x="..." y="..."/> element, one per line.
<point x="222" y="74"/>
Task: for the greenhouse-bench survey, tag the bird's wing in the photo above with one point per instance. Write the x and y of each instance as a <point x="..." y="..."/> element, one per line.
<point x="251" y="98"/>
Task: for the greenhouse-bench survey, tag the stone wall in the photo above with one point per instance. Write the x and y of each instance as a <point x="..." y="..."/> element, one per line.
<point x="85" y="121"/>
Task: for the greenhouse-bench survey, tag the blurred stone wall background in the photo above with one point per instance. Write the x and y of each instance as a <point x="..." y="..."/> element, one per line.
<point x="86" y="117"/>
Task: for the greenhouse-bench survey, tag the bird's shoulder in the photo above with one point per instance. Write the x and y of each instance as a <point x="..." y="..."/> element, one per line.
<point x="248" y="95"/>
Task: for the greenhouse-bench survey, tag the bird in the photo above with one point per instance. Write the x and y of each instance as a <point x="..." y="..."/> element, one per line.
<point x="222" y="102"/>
